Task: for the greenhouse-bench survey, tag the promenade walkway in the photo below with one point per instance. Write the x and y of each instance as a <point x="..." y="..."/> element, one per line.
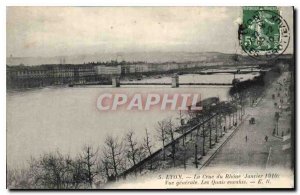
<point x="256" y="151"/>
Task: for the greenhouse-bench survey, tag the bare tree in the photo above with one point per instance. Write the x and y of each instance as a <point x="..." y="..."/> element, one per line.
<point x="216" y="127"/>
<point x="276" y="116"/>
<point x="196" y="155"/>
<point x="147" y="143"/>
<point x="184" y="157"/>
<point x="170" y="130"/>
<point x="181" y="120"/>
<point x="55" y="171"/>
<point x="76" y="170"/>
<point x="162" y="136"/>
<point x="141" y="155"/>
<point x="210" y="133"/>
<point x="131" y="148"/>
<point x="106" y="170"/>
<point x="225" y="111"/>
<point x="49" y="171"/>
<point x="88" y="159"/>
<point x="19" y="179"/>
<point x="112" y="153"/>
<point x="203" y="136"/>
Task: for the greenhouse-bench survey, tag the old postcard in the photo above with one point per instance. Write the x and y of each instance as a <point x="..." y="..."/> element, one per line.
<point x="150" y="97"/>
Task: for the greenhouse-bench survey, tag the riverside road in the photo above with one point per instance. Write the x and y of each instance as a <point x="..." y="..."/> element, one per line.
<point x="254" y="151"/>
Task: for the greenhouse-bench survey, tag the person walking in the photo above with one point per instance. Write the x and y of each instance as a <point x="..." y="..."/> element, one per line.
<point x="246" y="138"/>
<point x="266" y="138"/>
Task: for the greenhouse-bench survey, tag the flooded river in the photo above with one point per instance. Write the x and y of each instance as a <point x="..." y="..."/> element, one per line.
<point x="66" y="119"/>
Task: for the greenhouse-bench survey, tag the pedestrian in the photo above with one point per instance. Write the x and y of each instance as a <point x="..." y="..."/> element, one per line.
<point x="246" y="138"/>
<point x="266" y="138"/>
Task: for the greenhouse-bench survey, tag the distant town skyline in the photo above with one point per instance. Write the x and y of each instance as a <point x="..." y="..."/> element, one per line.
<point x="67" y="31"/>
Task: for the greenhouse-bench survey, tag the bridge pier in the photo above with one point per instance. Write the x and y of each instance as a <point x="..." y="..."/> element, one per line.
<point x="116" y="81"/>
<point x="175" y="81"/>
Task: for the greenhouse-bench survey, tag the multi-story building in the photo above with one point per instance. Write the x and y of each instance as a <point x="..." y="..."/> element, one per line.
<point x="85" y="73"/>
<point x="26" y="77"/>
<point x="108" y="70"/>
<point x="62" y="74"/>
<point x="35" y="76"/>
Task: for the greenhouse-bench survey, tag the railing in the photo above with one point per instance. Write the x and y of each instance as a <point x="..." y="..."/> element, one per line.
<point x="153" y="155"/>
<point x="132" y="83"/>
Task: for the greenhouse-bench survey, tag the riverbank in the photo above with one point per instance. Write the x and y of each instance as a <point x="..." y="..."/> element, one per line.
<point x="262" y="148"/>
<point x="245" y="147"/>
<point x="211" y="136"/>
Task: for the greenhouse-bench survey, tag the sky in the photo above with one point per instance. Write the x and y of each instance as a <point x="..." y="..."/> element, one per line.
<point x="56" y="31"/>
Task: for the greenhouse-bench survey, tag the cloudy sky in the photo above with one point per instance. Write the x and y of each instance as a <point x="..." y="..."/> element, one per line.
<point x="52" y="31"/>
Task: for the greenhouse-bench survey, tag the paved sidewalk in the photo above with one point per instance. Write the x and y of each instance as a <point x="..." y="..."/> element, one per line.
<point x="212" y="152"/>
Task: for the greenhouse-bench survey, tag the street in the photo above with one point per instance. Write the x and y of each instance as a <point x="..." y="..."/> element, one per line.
<point x="255" y="151"/>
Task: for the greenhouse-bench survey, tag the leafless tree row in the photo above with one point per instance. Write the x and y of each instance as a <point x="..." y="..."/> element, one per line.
<point x="90" y="168"/>
<point x="94" y="167"/>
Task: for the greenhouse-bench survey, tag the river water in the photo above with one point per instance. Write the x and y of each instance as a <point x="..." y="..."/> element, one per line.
<point x="66" y="119"/>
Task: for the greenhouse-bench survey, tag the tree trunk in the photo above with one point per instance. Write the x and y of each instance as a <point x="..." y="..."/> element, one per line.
<point x="203" y="146"/>
<point x="216" y="126"/>
<point x="196" y="155"/>
<point x="164" y="152"/>
<point x="210" y="129"/>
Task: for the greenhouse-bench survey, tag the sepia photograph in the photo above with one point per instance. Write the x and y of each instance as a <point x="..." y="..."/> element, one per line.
<point x="167" y="97"/>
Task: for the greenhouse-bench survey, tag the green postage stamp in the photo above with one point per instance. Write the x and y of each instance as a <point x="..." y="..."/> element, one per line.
<point x="263" y="32"/>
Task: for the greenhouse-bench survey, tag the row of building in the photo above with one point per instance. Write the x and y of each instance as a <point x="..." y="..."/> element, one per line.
<point x="44" y="75"/>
